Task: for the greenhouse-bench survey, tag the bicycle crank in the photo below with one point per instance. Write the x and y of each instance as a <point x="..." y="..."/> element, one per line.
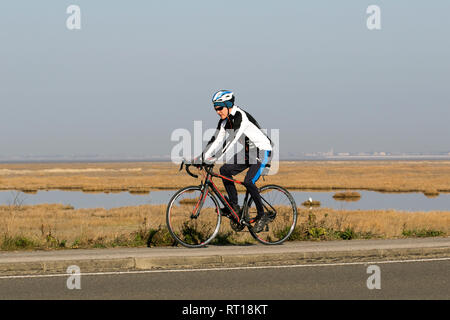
<point x="236" y="226"/>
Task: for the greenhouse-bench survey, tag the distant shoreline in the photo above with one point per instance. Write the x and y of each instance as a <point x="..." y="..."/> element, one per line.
<point x="343" y="158"/>
<point x="407" y="175"/>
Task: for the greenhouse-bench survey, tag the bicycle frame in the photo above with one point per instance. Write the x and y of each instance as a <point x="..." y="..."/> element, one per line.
<point x="209" y="184"/>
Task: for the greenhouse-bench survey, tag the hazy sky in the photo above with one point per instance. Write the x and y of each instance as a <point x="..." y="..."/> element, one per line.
<point x="137" y="70"/>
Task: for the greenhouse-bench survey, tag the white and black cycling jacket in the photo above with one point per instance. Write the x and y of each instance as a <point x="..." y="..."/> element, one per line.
<point x="242" y="127"/>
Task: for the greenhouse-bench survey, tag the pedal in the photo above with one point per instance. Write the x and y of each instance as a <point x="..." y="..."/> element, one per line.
<point x="271" y="215"/>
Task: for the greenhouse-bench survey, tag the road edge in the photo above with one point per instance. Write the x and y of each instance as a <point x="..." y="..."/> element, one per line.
<point x="218" y="260"/>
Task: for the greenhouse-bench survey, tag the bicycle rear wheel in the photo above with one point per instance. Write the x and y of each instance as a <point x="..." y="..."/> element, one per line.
<point x="280" y="206"/>
<point x="189" y="230"/>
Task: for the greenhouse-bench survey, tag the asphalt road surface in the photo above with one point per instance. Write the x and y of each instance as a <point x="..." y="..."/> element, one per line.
<point x="410" y="279"/>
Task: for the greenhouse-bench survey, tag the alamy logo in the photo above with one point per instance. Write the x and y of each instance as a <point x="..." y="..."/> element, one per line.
<point x="191" y="145"/>
<point x="74" y="280"/>
<point x="73" y="22"/>
<point x="374" y="20"/>
<point x="374" y="281"/>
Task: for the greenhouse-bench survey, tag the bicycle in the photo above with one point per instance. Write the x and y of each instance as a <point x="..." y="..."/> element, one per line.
<point x="194" y="216"/>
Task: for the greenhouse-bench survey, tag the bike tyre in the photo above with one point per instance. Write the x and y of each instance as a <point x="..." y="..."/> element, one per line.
<point x="170" y="223"/>
<point x="265" y="239"/>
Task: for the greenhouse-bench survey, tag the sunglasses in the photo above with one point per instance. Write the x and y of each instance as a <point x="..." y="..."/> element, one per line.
<point x="219" y="108"/>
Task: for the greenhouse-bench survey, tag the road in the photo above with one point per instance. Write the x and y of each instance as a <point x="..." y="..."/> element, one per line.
<point x="296" y="252"/>
<point x="408" y="279"/>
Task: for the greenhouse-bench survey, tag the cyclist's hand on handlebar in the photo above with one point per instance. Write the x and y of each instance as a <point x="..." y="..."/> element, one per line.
<point x="210" y="160"/>
<point x="196" y="162"/>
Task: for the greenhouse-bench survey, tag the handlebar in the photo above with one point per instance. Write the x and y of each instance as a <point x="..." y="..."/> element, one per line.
<point x="187" y="169"/>
<point x="207" y="167"/>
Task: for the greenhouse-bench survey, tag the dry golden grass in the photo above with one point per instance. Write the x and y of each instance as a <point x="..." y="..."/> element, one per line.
<point x="87" y="227"/>
<point x="431" y="193"/>
<point x="188" y="201"/>
<point x="43" y="222"/>
<point x="314" y="203"/>
<point x="385" y="176"/>
<point x="84" y="225"/>
<point x="383" y="223"/>
<point x="347" y="195"/>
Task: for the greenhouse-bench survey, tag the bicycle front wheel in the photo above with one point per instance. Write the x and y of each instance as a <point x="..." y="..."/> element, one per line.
<point x="282" y="210"/>
<point x="190" y="229"/>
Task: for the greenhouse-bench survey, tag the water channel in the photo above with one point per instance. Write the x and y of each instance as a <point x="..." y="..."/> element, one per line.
<point x="370" y="200"/>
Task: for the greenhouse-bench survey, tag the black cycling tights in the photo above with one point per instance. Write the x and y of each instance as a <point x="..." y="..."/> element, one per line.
<point x="229" y="170"/>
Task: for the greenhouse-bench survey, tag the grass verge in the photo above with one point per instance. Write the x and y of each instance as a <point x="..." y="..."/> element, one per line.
<point x="55" y="226"/>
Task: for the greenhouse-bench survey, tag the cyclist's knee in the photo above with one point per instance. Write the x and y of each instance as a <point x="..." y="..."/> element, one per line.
<point x="248" y="183"/>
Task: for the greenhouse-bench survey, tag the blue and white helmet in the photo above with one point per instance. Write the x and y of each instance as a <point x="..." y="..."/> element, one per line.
<point x="223" y="98"/>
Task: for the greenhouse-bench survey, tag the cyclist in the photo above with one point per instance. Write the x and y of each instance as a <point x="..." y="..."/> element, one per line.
<point x="256" y="155"/>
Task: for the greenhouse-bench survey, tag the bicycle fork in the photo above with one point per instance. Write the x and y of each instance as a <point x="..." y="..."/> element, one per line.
<point x="200" y="202"/>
